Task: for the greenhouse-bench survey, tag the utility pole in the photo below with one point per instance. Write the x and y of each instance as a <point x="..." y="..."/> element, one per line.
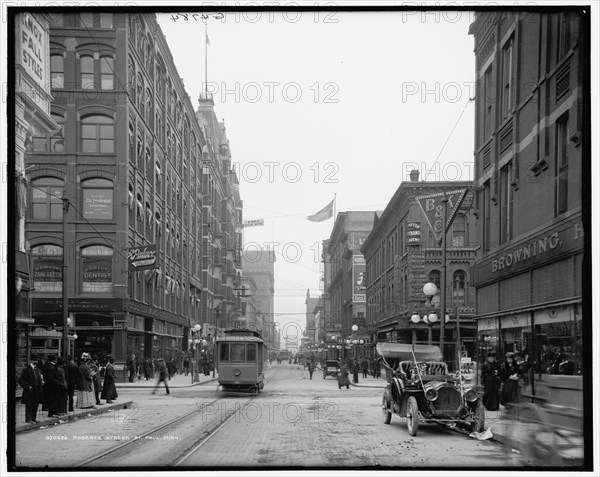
<point x="65" y="296"/>
<point x="443" y="277"/>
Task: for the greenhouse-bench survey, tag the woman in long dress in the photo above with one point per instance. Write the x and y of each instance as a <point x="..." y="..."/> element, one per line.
<point x="109" y="390"/>
<point x="85" y="392"/>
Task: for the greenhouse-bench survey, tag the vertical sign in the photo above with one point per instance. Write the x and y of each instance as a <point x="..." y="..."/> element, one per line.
<point x="31" y="46"/>
<point x="433" y="210"/>
<point x="413" y="233"/>
<point x="359" y="289"/>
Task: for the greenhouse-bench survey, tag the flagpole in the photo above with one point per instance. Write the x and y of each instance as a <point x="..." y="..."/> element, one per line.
<point x="206" y="58"/>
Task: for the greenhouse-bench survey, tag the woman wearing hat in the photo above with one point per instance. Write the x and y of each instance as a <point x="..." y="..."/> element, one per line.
<point x="490" y="378"/>
<point x="511" y="373"/>
<point x="109" y="390"/>
<point x="85" y="392"/>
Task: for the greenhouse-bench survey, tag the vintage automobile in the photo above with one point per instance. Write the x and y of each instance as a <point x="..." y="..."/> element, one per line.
<point x="331" y="368"/>
<point x="420" y="389"/>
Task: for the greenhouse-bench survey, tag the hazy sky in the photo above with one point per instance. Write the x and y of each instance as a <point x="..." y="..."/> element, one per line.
<point x="343" y="103"/>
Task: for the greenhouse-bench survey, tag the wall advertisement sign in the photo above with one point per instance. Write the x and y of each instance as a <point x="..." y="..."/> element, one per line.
<point x="359" y="290"/>
<point x="142" y="258"/>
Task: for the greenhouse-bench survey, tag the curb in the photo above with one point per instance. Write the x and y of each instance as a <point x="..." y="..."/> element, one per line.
<point x="76" y="415"/>
<point x="152" y="386"/>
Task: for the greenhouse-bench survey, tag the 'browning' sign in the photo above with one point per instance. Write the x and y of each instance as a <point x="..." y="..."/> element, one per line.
<point x="142" y="258"/>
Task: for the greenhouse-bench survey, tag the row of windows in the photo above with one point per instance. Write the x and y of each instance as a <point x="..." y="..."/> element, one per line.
<point x="97" y="136"/>
<point x="506" y="189"/>
<point x="86" y="19"/>
<point x="93" y="73"/>
<point x="96" y="199"/>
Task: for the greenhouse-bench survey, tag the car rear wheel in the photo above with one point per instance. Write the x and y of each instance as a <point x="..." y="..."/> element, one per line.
<point x="478" y="424"/>
<point x="386" y="413"/>
<point x="412" y="416"/>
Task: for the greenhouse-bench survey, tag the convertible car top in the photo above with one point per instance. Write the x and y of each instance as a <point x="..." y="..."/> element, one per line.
<point x="403" y="352"/>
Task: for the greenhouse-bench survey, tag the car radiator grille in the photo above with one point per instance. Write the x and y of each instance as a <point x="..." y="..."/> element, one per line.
<point x="448" y="400"/>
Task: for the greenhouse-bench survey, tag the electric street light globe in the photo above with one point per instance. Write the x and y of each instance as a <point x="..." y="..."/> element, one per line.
<point x="354" y="341"/>
<point x="75" y="336"/>
<point x="425" y="319"/>
<point x="196" y="342"/>
<point x="433" y="317"/>
<point x="354" y="328"/>
<point x="197" y="328"/>
<point x="203" y="342"/>
<point x="415" y="318"/>
<point x="333" y="337"/>
<point x="447" y="318"/>
<point x="429" y="289"/>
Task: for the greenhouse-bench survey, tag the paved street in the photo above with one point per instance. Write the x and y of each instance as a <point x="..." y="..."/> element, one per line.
<point x="294" y="422"/>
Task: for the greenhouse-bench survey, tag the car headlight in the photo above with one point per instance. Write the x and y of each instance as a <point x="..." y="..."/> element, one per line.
<point x="471" y="394"/>
<point x="236" y="372"/>
<point x="431" y="394"/>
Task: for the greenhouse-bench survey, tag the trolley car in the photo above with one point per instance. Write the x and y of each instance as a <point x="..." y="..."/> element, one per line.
<point x="240" y="360"/>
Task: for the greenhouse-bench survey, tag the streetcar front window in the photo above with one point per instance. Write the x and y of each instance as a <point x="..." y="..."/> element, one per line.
<point x="251" y="353"/>
<point x="238" y="353"/>
<point x="224" y="352"/>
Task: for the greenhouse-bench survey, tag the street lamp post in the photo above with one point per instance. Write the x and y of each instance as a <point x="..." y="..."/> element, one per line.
<point x="197" y="329"/>
<point x="65" y="294"/>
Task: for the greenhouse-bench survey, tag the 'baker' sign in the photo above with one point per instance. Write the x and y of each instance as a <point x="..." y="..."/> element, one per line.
<point x="142" y="258"/>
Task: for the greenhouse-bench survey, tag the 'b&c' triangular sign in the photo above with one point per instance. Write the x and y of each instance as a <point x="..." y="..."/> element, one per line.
<point x="433" y="209"/>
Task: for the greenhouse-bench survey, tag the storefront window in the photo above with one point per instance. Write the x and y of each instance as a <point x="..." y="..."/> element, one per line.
<point x="97" y="269"/>
<point x="47" y="268"/>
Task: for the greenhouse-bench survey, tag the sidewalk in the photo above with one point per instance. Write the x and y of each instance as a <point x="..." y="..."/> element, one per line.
<point x="176" y="382"/>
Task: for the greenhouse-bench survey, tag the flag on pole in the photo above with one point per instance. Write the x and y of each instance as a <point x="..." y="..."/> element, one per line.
<point x="323" y="214"/>
<point x="207" y="40"/>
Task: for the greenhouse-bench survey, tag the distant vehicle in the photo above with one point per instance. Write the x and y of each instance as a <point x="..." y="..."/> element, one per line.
<point x="331" y="368"/>
<point x="240" y="361"/>
<point x="420" y="389"/>
<point x="284" y="355"/>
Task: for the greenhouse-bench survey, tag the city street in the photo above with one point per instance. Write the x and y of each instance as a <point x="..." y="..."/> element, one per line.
<point x="294" y="422"/>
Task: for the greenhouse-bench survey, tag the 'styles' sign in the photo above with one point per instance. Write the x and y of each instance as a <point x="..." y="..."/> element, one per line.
<point x="142" y="258"/>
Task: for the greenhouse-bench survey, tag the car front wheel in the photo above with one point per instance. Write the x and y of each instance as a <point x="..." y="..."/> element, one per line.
<point x="412" y="416"/>
<point x="386" y="413"/>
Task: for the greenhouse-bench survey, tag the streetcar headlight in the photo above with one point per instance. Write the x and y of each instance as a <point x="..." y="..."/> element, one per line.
<point x="431" y="394"/>
<point x="471" y="394"/>
<point x="236" y="372"/>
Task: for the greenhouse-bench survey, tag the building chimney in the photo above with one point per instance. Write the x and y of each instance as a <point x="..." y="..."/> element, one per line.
<point x="414" y="175"/>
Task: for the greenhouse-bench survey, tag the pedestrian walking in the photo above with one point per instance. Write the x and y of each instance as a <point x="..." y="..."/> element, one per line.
<point x="85" y="387"/>
<point x="490" y="378"/>
<point x="510" y="375"/>
<point x="376" y="369"/>
<point x="161" y="368"/>
<point x="130" y="367"/>
<point x="72" y="374"/>
<point x="96" y="383"/>
<point x="186" y="365"/>
<point x="344" y="377"/>
<point x="64" y="396"/>
<point x="365" y="368"/>
<point x="311" y="367"/>
<point x="109" y="390"/>
<point x="31" y="381"/>
<point x="53" y="386"/>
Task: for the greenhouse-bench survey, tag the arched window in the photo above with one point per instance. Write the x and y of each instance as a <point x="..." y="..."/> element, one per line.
<point x="149" y="108"/>
<point x="98" y="199"/>
<point x="96" y="264"/>
<point x="434" y="277"/>
<point x="86" y="65"/>
<point x="106" y="20"/>
<point x="140" y="94"/>
<point x="106" y="73"/>
<point x="131" y="78"/>
<point x="458" y="287"/>
<point x="97" y="134"/>
<point x="57" y="71"/>
<point x="46" y="203"/>
<point x="47" y="268"/>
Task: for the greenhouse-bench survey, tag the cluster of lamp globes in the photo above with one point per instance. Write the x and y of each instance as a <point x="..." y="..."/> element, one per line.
<point x="348" y="341"/>
<point x="197" y="341"/>
<point x="429" y="290"/>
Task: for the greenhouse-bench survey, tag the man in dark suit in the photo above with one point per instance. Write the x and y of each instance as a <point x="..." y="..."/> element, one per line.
<point x="72" y="375"/>
<point x="31" y="381"/>
<point x="53" y="386"/>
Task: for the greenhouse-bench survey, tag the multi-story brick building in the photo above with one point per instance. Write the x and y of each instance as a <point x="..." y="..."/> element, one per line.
<point x="530" y="147"/>
<point x="403" y="253"/>
<point x="140" y="168"/>
<point x="32" y="118"/>
<point x="260" y="265"/>
<point x="346" y="290"/>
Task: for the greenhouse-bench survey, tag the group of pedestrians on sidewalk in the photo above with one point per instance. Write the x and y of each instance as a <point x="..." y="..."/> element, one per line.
<point x="55" y="384"/>
<point x="500" y="383"/>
